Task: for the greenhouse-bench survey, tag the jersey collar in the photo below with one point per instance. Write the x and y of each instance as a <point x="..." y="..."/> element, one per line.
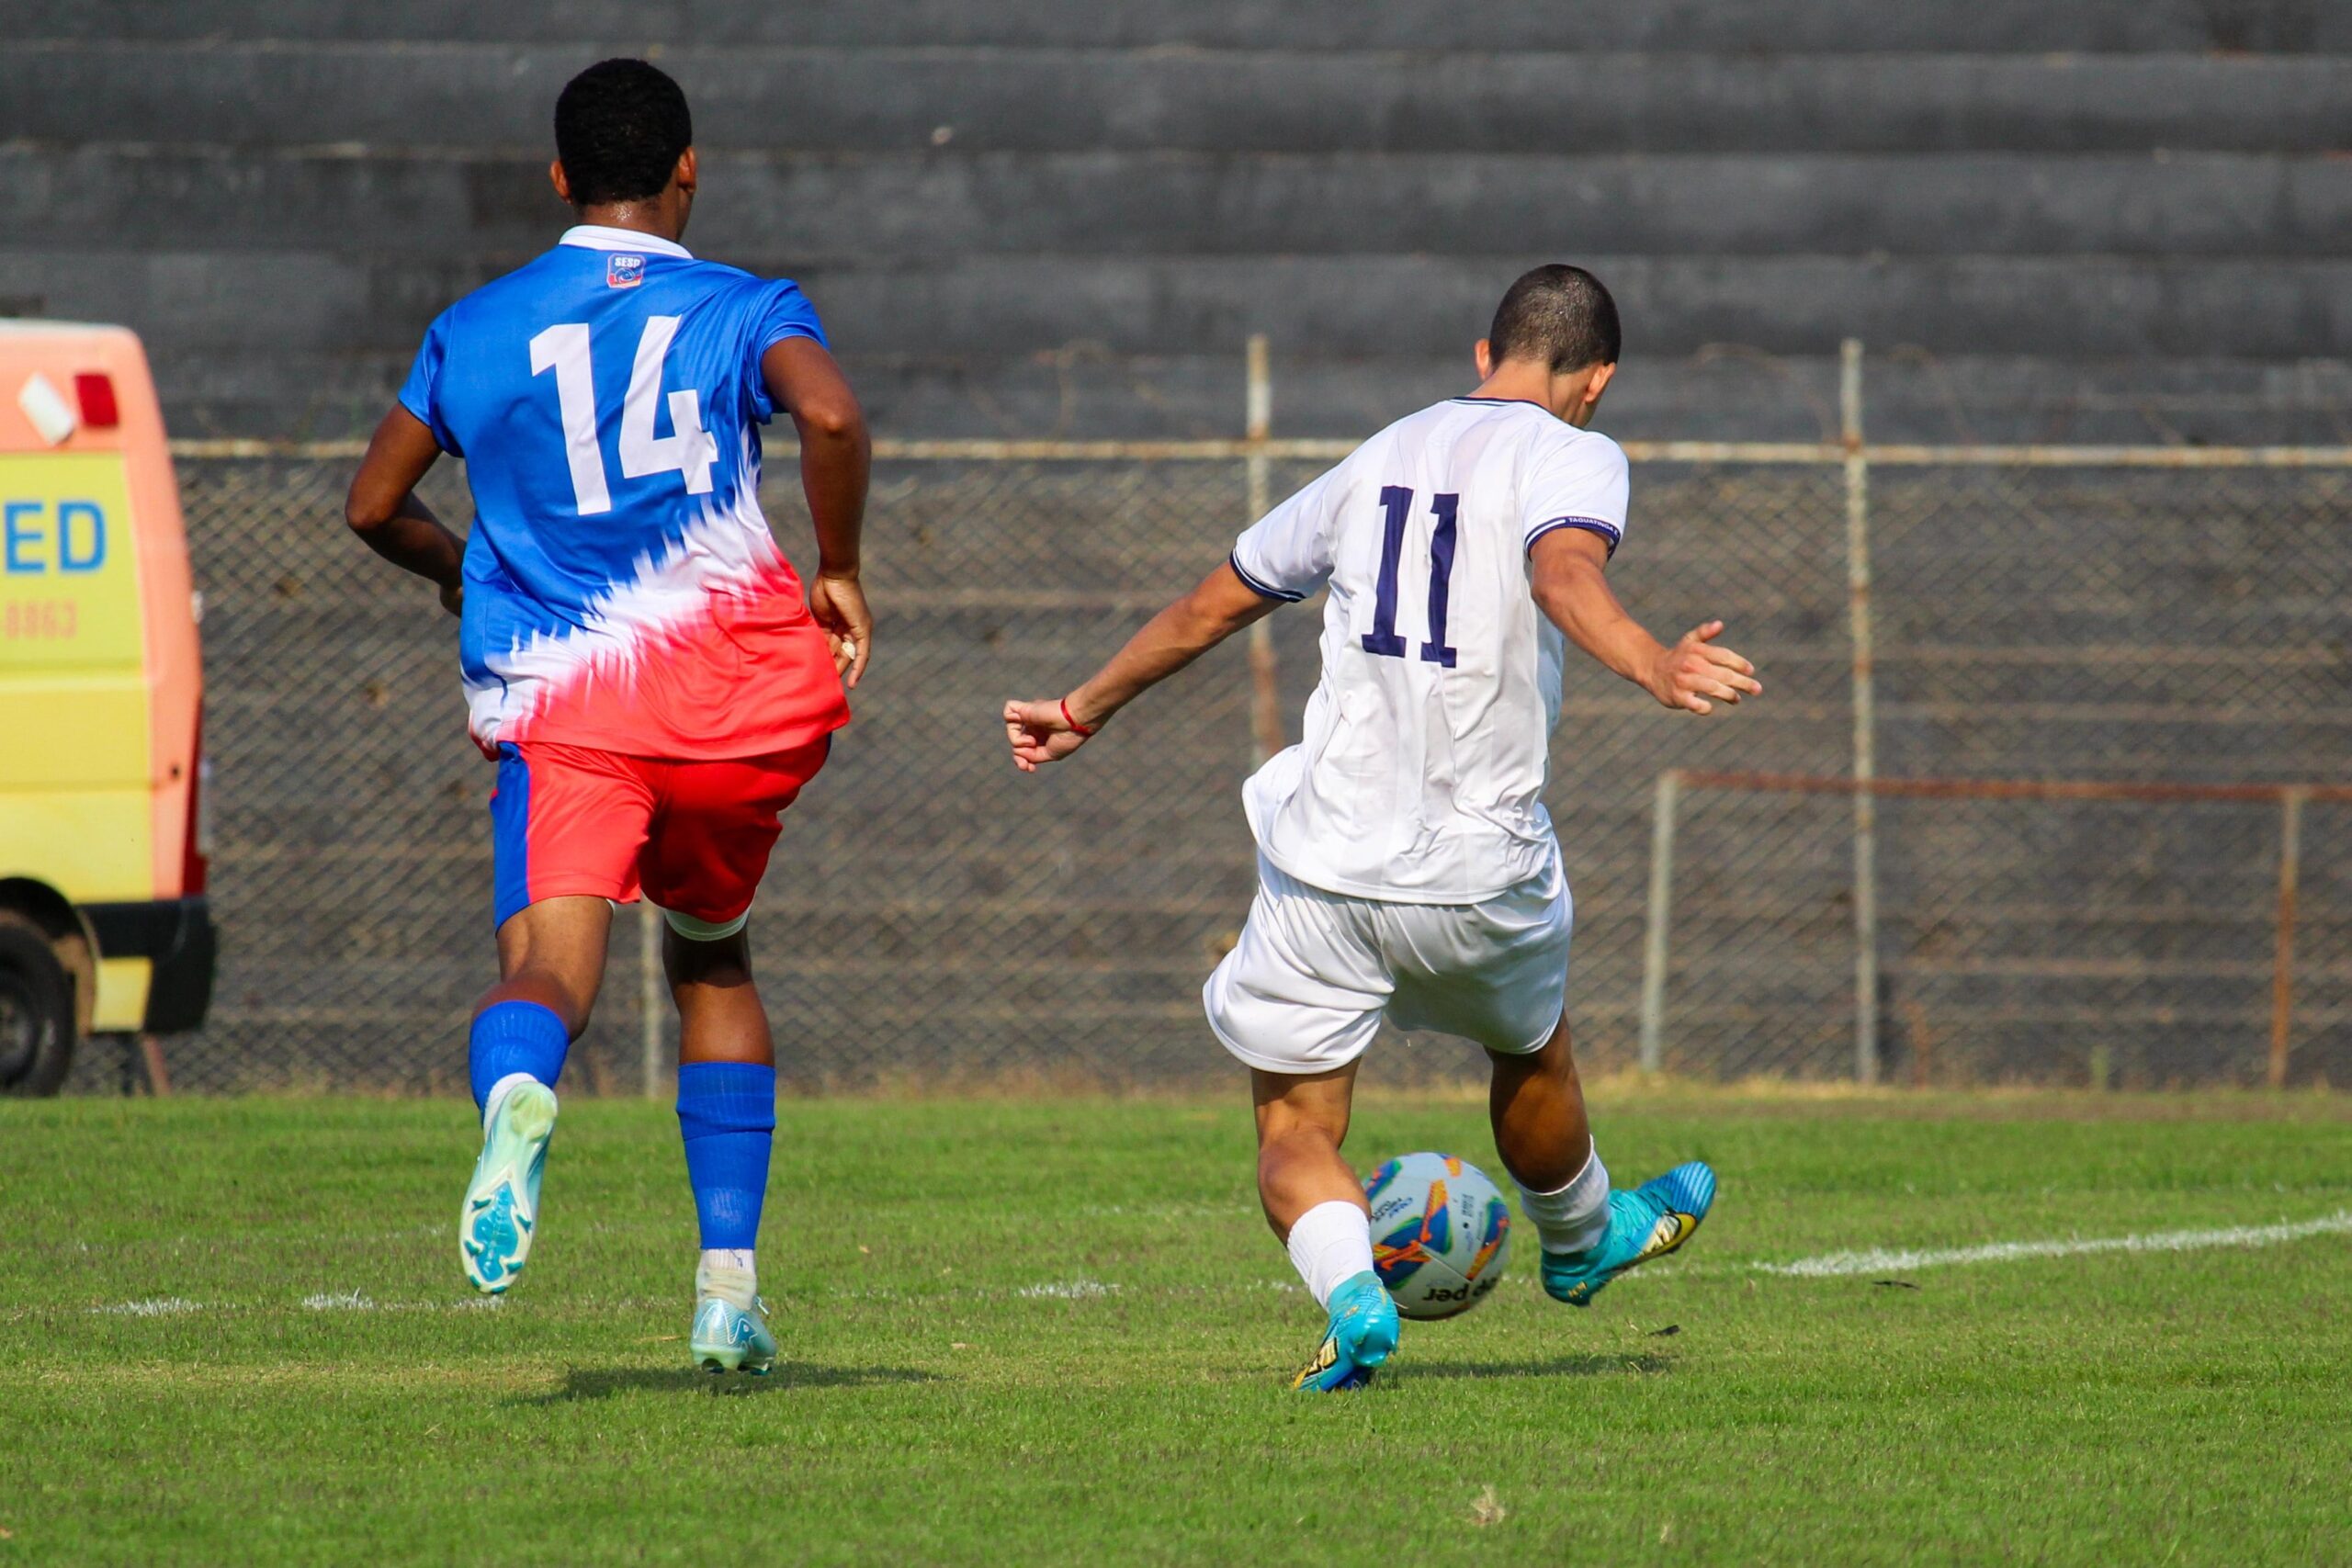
<point x="600" y="237"/>
<point x="1504" y="402"/>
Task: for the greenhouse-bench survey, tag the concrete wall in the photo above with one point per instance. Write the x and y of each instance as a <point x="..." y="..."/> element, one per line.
<point x="2096" y="220"/>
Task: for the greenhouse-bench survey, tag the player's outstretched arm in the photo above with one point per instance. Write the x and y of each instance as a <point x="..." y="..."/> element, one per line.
<point x="1571" y="585"/>
<point x="1049" y="731"/>
<point x="383" y="508"/>
<point x="836" y="457"/>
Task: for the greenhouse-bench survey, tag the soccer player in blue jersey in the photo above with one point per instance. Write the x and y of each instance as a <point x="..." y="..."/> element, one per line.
<point x="650" y="675"/>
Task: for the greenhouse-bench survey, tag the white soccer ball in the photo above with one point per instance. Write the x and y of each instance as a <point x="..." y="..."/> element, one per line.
<point x="1440" y="1234"/>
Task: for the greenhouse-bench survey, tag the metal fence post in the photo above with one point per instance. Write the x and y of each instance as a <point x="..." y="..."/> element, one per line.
<point x="1265" y="694"/>
<point x="1663" y="807"/>
<point x="1857" y="585"/>
<point x="648" y="996"/>
<point x="2282" y="972"/>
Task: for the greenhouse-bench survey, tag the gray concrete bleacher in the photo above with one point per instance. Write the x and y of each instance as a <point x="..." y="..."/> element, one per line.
<point x="994" y="203"/>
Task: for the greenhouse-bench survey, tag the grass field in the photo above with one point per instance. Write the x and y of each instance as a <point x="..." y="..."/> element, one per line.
<point x="1023" y="1332"/>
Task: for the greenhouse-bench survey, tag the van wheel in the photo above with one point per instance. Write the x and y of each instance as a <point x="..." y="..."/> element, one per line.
<point x="36" y="1010"/>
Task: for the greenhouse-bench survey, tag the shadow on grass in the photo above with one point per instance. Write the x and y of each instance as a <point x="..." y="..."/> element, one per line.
<point x="603" y="1382"/>
<point x="1550" y="1367"/>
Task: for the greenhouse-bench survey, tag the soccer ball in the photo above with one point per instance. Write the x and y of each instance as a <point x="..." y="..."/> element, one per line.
<point x="1440" y="1234"/>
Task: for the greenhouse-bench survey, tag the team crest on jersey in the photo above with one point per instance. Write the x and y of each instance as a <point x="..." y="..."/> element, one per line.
<point x="623" y="272"/>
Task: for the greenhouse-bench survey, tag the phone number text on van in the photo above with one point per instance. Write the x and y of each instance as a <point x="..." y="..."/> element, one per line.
<point x="40" y="620"/>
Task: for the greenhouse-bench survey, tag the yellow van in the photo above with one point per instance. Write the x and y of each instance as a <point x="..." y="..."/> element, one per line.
<point x="102" y="923"/>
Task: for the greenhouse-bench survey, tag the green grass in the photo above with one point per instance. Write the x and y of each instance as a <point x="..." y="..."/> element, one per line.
<point x="938" y="1407"/>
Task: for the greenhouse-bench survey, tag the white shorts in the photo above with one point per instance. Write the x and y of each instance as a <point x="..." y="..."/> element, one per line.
<point x="1304" y="989"/>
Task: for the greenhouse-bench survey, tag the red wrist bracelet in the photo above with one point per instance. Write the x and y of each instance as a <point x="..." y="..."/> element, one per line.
<point x="1082" y="731"/>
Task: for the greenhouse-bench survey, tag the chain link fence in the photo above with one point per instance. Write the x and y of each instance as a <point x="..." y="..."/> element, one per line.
<point x="933" y="915"/>
<point x="2064" y="617"/>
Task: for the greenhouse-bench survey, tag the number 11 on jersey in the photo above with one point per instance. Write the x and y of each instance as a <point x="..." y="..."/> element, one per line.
<point x="1397" y="502"/>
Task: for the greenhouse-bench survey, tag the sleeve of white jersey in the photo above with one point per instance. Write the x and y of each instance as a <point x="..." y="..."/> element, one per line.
<point x="1580" y="483"/>
<point x="1286" y="554"/>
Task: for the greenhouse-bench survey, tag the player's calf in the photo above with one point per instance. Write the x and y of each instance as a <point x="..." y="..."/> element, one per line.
<point x="551" y="959"/>
<point x="1590" y="1234"/>
<point x="1301" y="1119"/>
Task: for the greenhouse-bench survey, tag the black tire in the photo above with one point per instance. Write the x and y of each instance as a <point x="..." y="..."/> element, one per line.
<point x="36" y="1010"/>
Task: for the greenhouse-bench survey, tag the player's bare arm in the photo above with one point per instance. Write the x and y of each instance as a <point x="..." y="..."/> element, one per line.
<point x="836" y="458"/>
<point x="384" y="510"/>
<point x="1571" y="584"/>
<point x="1049" y="731"/>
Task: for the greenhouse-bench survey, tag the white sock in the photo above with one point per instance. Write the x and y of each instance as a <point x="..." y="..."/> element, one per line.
<point x="1331" y="1243"/>
<point x="498" y="1093"/>
<point x="728" y="1273"/>
<point x="1574" y="1218"/>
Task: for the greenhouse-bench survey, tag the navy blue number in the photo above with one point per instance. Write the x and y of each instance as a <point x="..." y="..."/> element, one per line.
<point x="1441" y="579"/>
<point x="1382" y="638"/>
<point x="1397" y="502"/>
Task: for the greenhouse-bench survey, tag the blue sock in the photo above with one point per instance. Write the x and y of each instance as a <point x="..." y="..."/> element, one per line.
<point x="727" y="1112"/>
<point x="515" y="1037"/>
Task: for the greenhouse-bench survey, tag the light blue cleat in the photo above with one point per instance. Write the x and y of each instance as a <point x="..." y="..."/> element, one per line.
<point x="1363" y="1335"/>
<point x="502" y="1212"/>
<point x="1649" y="1221"/>
<point x="725" y="1338"/>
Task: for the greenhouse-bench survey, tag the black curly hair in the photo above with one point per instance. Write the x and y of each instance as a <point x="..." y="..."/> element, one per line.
<point x="619" y="127"/>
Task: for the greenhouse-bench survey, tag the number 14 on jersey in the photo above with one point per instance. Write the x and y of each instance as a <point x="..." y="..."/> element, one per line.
<point x="688" y="450"/>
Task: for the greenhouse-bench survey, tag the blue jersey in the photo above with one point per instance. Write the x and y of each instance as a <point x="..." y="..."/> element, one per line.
<point x="623" y="590"/>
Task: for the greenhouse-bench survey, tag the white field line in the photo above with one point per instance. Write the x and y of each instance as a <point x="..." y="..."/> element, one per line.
<point x="1069" y="1291"/>
<point x="345" y="1301"/>
<point x="341" y="1301"/>
<point x="359" y="1301"/>
<point x="161" y="1306"/>
<point x="1830" y="1265"/>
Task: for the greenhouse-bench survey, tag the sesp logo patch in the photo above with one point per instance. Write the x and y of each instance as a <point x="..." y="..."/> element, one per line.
<point x="623" y="272"/>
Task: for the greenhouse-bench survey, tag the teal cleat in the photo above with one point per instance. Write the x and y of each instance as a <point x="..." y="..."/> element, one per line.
<point x="1649" y="1221"/>
<point x="725" y="1338"/>
<point x="1363" y="1335"/>
<point x="502" y="1211"/>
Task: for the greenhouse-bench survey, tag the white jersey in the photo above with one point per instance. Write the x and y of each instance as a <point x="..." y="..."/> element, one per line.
<point x="1421" y="780"/>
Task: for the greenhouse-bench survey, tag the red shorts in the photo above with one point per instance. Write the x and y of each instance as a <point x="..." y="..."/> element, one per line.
<point x="574" y="821"/>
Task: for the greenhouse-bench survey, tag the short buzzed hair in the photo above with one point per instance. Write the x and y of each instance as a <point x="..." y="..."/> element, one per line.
<point x="1558" y="314"/>
<point x="620" y="127"/>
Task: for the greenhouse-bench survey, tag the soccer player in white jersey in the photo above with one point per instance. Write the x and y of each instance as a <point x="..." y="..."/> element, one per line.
<point x="1407" y="867"/>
